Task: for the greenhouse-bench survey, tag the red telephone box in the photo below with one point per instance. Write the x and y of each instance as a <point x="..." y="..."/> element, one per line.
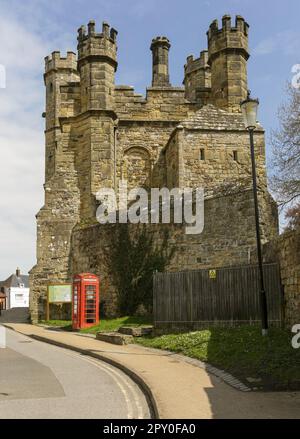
<point x="85" y="304"/>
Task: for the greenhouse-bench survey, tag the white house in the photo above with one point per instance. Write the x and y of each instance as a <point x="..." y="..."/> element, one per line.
<point x="16" y="289"/>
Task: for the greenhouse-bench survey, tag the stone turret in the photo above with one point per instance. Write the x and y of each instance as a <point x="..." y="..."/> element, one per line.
<point x="160" y="61"/>
<point x="197" y="78"/>
<point x="227" y="56"/>
<point x="59" y="71"/>
<point x="97" y="64"/>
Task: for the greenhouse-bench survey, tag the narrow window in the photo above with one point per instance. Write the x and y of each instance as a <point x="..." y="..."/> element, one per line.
<point x="202" y="154"/>
<point x="51" y="87"/>
<point x="235" y="156"/>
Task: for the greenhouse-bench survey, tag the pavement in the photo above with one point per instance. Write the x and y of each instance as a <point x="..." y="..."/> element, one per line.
<point x="42" y="381"/>
<point x="175" y="389"/>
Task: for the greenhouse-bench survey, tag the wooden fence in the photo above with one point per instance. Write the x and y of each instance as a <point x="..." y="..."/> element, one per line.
<point x="225" y="296"/>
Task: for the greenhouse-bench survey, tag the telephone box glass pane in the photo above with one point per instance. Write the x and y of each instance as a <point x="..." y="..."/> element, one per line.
<point x="90" y="303"/>
<point x="75" y="301"/>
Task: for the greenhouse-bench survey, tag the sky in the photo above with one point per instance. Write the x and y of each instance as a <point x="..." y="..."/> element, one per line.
<point x="32" y="29"/>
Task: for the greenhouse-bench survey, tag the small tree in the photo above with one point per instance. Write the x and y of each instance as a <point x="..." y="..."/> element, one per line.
<point x="133" y="258"/>
<point x="286" y="151"/>
<point x="292" y="215"/>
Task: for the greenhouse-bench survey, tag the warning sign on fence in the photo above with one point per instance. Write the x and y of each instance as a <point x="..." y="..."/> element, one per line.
<point x="212" y="274"/>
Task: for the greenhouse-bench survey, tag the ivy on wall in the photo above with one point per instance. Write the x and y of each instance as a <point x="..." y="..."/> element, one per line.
<point x="133" y="258"/>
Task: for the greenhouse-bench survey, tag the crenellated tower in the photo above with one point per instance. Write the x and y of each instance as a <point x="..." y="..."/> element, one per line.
<point x="97" y="64"/>
<point x="59" y="71"/>
<point x="56" y="219"/>
<point x="197" y="78"/>
<point x="227" y="56"/>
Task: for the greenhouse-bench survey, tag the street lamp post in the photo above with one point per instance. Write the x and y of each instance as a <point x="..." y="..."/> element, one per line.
<point x="249" y="110"/>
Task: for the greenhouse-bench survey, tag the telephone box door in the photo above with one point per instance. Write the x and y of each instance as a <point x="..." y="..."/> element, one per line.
<point x="85" y="301"/>
<point x="76" y="303"/>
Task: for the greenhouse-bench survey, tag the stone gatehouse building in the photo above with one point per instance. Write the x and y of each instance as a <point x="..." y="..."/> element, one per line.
<point x="98" y="132"/>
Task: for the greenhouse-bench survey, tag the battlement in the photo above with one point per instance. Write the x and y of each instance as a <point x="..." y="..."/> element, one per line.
<point x="57" y="62"/>
<point x="197" y="78"/>
<point x="94" y="44"/>
<point x="107" y="32"/>
<point x="160" y="41"/>
<point x="240" y="26"/>
<point x="228" y="37"/>
<point x="228" y="46"/>
<point x="196" y="64"/>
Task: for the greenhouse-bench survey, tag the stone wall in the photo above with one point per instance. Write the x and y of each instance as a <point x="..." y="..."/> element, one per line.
<point x="147" y="139"/>
<point x="286" y="250"/>
<point x="228" y="239"/>
<point x="160" y="103"/>
<point x="214" y="150"/>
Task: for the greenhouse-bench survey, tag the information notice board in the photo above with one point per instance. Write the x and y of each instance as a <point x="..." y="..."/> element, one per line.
<point x="60" y="293"/>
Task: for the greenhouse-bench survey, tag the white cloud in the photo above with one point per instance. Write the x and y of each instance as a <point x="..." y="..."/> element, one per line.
<point x="19" y="47"/>
<point x="21" y="144"/>
<point x="28" y="32"/>
<point x="286" y="42"/>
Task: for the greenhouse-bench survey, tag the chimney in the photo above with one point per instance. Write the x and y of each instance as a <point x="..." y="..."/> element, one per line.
<point x="18" y="272"/>
<point x="160" y="61"/>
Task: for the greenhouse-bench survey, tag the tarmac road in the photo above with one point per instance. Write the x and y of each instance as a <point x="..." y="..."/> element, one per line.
<point x="41" y="381"/>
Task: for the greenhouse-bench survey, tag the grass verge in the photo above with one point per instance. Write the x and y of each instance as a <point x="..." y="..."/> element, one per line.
<point x="63" y="324"/>
<point x="109" y="325"/>
<point x="105" y="325"/>
<point x="268" y="363"/>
